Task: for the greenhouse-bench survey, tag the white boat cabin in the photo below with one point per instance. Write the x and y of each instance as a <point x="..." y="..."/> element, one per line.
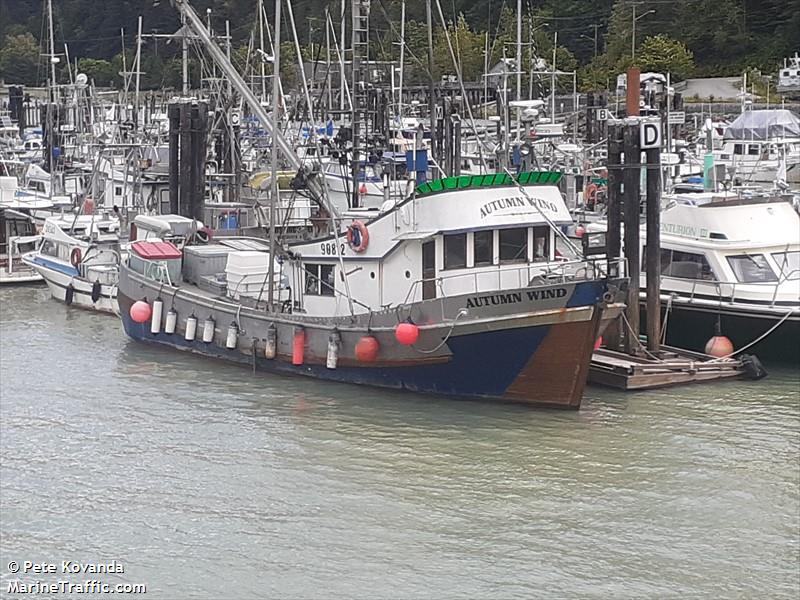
<point x="454" y="236"/>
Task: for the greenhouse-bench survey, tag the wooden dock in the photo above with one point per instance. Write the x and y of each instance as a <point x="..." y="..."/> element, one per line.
<point x="673" y="367"/>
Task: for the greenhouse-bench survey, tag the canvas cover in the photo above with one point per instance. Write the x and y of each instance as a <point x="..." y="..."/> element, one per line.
<point x="764" y="125"/>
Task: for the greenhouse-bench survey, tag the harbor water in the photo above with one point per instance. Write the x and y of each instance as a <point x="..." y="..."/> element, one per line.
<point x="205" y="480"/>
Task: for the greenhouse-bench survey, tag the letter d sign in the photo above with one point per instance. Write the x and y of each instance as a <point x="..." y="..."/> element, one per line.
<point x="649" y="135"/>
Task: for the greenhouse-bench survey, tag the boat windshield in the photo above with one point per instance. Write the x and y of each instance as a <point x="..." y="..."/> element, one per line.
<point x="751" y="268"/>
<point x="788" y="263"/>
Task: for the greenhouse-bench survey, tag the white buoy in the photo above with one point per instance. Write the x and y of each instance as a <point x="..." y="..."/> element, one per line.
<point x="333" y="350"/>
<point x="171" y="322"/>
<point x="271" y="349"/>
<point x="208" y="330"/>
<point x="155" y="319"/>
<point x="232" y="340"/>
<point x="191" y="328"/>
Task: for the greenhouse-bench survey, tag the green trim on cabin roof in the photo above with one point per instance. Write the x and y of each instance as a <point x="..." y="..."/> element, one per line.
<point x="490" y="180"/>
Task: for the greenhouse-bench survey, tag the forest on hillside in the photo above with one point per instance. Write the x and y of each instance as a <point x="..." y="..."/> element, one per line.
<point x="686" y="37"/>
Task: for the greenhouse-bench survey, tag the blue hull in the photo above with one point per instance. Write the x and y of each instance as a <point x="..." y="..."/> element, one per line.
<point x="483" y="365"/>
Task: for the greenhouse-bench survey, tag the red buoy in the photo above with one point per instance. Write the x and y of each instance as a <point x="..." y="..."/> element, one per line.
<point x="719" y="346"/>
<point x="367" y="349"/>
<point x="406" y="333"/>
<point x="140" y="311"/>
<point x="598" y="342"/>
<point x="298" y="346"/>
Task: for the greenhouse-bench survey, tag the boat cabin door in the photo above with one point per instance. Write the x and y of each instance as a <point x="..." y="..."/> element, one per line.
<point x="429" y="270"/>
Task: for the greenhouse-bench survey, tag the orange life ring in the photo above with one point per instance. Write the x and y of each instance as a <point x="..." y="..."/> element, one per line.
<point x="357" y="236"/>
<point x="75" y="257"/>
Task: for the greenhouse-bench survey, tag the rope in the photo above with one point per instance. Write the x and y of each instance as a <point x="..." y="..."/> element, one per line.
<point x="447" y="337"/>
<point x="667" y="311"/>
<point x="636" y="338"/>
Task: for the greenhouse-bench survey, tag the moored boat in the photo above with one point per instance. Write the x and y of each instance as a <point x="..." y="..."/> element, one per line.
<point x="456" y="291"/>
<point x="79" y="259"/>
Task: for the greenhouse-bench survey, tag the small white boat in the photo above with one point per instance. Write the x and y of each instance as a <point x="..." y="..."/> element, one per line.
<point x="79" y="259"/>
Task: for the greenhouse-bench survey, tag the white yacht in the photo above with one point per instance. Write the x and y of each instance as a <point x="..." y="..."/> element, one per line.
<point x="735" y="261"/>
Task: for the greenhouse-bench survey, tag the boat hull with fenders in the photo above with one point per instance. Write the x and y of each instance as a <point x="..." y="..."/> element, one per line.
<point x="530" y="345"/>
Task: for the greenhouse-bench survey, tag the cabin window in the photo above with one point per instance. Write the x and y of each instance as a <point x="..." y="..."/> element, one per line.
<point x="514" y="245"/>
<point x="738" y="148"/>
<point x="484" y="248"/>
<point x="685" y="265"/>
<point x="319" y="280"/>
<point x="49" y="248"/>
<point x="788" y="263"/>
<point x="118" y="191"/>
<point x="751" y="268"/>
<point x="541" y="243"/>
<point x="455" y="251"/>
<point x="753" y="150"/>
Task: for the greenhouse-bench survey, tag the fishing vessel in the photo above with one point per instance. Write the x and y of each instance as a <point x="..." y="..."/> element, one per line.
<point x="455" y="291"/>
<point x="79" y="258"/>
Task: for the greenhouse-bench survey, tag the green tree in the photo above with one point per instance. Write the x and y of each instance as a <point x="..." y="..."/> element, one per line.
<point x="662" y="54"/>
<point x="19" y="59"/>
<point x="97" y="70"/>
<point x="467" y="47"/>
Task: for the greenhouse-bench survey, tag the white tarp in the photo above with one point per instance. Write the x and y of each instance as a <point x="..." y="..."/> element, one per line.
<point x="764" y="125"/>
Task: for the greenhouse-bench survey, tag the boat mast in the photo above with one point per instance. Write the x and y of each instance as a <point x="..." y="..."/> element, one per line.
<point x="519" y="64"/>
<point x="431" y="100"/>
<point x="51" y="108"/>
<point x="342" y="75"/>
<point x="184" y="57"/>
<point x="261" y="46"/>
<point x="402" y="57"/>
<point x="53" y="58"/>
<point x="276" y="107"/>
